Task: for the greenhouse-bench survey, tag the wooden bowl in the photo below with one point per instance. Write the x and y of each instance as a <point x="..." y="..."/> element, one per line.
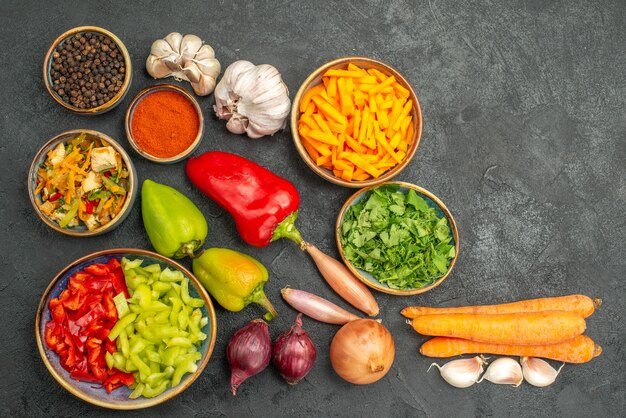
<point x="433" y="202"/>
<point x="82" y="230"/>
<point x="316" y="78"/>
<point x="47" y="63"/>
<point x="128" y="120"/>
<point x="90" y="392"/>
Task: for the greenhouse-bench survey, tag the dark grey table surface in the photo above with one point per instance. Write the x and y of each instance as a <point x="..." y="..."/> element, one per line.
<point x="524" y="139"/>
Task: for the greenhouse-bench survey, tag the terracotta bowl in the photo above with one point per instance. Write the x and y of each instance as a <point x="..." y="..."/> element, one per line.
<point x="316" y="78"/>
<point x="47" y="63"/>
<point x="90" y="392"/>
<point x="128" y="122"/>
<point x="433" y="202"/>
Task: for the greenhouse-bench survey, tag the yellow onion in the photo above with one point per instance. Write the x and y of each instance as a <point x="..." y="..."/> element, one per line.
<point x="362" y="351"/>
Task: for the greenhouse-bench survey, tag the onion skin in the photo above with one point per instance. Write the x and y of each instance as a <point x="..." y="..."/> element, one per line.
<point x="362" y="351"/>
<point x="294" y="353"/>
<point x="316" y="307"/>
<point x="249" y="351"/>
<point x="351" y="289"/>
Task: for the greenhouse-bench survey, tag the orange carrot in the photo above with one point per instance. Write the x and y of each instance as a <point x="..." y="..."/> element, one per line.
<point x="524" y="328"/>
<point x="580" y="349"/>
<point x="580" y="304"/>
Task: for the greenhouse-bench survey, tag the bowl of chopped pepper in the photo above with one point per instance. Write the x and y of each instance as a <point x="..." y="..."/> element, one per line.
<point x="82" y="183"/>
<point x="397" y="238"/>
<point x="125" y="328"/>
<point x="356" y="122"/>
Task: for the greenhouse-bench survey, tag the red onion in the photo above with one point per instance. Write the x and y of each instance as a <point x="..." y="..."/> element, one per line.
<point x="294" y="353"/>
<point x="248" y="352"/>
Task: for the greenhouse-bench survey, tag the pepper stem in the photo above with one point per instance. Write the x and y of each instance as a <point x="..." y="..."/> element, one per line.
<point x="187" y="249"/>
<point x="258" y="297"/>
<point x="287" y="229"/>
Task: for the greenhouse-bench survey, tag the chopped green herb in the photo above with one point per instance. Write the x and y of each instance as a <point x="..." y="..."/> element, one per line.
<point x="397" y="238"/>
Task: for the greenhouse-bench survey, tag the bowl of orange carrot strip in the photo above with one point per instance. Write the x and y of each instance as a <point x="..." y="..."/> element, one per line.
<point x="356" y="122"/>
<point x="82" y="183"/>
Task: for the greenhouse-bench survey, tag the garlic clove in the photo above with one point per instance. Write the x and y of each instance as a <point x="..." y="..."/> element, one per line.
<point x="160" y="48"/>
<point x="192" y="73"/>
<point x="461" y="373"/>
<point x="205" y="86"/>
<point x="538" y="372"/>
<point x="189" y="46"/>
<point x="205" y="52"/>
<point x="174" y="39"/>
<point x="156" y="67"/>
<point x="504" y="371"/>
<point x="173" y="62"/>
<point x="208" y="66"/>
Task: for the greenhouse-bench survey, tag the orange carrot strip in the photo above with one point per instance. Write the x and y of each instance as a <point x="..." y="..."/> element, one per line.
<point x="327" y="138"/>
<point x="332" y="87"/>
<point x="580" y="349"/>
<point x="347" y="173"/>
<point x="522" y="328"/>
<point x="306" y="98"/>
<point x="400" y="90"/>
<point x="360" y="162"/>
<point x="330" y="111"/>
<point x="323" y="126"/>
<point x="352" y="143"/>
<point x="343" y="73"/>
<point x="310" y="149"/>
<point x="381" y="87"/>
<point x="403" y="113"/>
<point x="579" y="304"/>
<point x="357" y="123"/>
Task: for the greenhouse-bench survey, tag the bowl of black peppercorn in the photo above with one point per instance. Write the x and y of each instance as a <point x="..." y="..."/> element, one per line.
<point x="87" y="70"/>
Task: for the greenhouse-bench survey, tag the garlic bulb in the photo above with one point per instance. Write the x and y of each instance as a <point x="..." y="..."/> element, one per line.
<point x="184" y="58"/>
<point x="461" y="373"/>
<point x="253" y="99"/>
<point x="504" y="371"/>
<point x="538" y="372"/>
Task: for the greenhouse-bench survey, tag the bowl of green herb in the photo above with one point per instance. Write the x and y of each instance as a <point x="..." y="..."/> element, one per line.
<point x="397" y="238"/>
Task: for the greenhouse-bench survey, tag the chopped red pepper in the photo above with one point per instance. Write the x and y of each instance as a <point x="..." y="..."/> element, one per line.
<point x="89" y="206"/>
<point x="82" y="317"/>
<point x="54" y="197"/>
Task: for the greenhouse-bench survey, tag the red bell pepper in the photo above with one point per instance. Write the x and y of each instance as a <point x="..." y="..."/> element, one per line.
<point x="81" y="320"/>
<point x="264" y="205"/>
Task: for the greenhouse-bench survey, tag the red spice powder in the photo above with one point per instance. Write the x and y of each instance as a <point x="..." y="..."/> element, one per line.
<point x="164" y="124"/>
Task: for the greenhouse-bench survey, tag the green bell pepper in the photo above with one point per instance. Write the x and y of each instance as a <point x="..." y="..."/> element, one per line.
<point x="234" y="279"/>
<point x="174" y="224"/>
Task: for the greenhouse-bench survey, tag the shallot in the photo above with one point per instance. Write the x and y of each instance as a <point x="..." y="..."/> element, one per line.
<point x="248" y="352"/>
<point x="294" y="353"/>
<point x="317" y="307"/>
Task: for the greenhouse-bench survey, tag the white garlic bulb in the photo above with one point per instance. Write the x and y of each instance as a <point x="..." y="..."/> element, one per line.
<point x="253" y="99"/>
<point x="504" y="371"/>
<point x="538" y="372"/>
<point x="461" y="373"/>
<point x="184" y="58"/>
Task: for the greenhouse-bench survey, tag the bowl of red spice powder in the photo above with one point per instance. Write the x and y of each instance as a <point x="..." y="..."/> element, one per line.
<point x="164" y="123"/>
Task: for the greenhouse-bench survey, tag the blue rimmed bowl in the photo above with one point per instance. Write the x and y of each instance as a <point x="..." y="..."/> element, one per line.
<point x="90" y="392"/>
<point x="433" y="202"/>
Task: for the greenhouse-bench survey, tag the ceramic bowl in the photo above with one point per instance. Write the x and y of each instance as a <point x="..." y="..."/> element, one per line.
<point x="316" y="78"/>
<point x="90" y="392"/>
<point x="82" y="230"/>
<point x="47" y="63"/>
<point x="433" y="202"/>
<point x="128" y="122"/>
